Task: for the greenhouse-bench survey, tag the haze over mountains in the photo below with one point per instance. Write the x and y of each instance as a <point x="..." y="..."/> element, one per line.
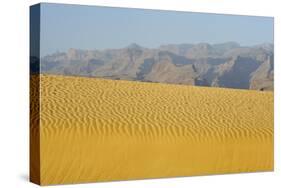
<point x="226" y="65"/>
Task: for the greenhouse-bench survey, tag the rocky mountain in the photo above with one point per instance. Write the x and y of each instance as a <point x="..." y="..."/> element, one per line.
<point x="220" y="65"/>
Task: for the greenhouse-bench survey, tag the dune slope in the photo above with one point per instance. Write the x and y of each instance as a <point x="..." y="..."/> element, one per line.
<point x="100" y="130"/>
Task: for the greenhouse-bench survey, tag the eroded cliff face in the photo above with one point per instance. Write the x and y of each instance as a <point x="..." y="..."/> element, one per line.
<point x="263" y="77"/>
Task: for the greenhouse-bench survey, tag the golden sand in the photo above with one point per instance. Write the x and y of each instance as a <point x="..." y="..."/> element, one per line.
<point x="100" y="130"/>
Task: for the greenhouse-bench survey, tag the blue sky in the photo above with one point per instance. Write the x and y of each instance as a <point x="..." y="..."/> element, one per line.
<point x="91" y="27"/>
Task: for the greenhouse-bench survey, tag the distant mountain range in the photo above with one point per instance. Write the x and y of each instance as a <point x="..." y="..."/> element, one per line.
<point x="226" y="65"/>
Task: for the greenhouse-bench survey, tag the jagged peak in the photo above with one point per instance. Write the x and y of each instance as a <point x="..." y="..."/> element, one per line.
<point x="134" y="46"/>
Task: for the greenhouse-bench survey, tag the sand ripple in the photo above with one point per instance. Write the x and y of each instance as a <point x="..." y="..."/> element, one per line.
<point x="98" y="130"/>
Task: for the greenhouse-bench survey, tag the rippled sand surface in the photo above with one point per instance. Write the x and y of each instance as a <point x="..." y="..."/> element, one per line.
<point x="101" y="130"/>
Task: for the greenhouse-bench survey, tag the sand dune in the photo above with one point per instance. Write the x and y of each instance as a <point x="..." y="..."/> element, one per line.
<point x="99" y="130"/>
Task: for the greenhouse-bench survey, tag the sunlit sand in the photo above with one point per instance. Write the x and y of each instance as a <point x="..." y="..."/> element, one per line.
<point x="94" y="129"/>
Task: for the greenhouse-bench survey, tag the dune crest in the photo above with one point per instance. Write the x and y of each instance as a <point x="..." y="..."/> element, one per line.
<point x="99" y="130"/>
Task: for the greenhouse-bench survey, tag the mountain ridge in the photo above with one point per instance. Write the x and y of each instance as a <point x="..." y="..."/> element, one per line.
<point x="226" y="64"/>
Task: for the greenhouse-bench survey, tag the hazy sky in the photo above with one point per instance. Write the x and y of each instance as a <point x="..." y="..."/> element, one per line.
<point x="91" y="27"/>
